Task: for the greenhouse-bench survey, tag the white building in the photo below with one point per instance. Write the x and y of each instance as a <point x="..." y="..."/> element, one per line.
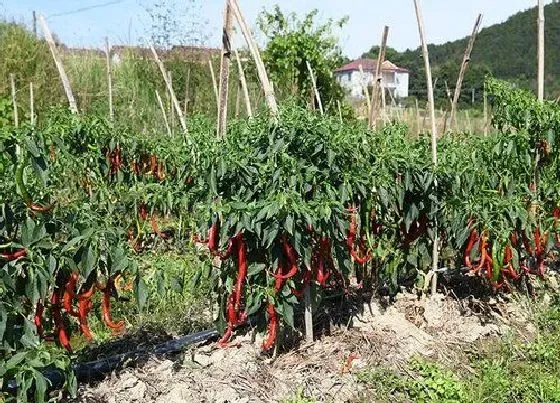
<point x="395" y="79"/>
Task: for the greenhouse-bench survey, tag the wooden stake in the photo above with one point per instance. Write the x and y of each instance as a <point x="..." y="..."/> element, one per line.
<point x="308" y="314"/>
<point x="541" y="51"/>
<point x="172" y="93"/>
<point x="238" y="99"/>
<point x="59" y="66"/>
<point x="243" y="82"/>
<point x="374" y="109"/>
<point x="164" y="113"/>
<point x="417" y="118"/>
<point x="32" y="103"/>
<point x="485" y="95"/>
<point x="109" y="78"/>
<point x="339" y="111"/>
<point x="171" y="113"/>
<point x="34" y="24"/>
<point x="187" y="85"/>
<point x="263" y="76"/>
<point x="224" y="72"/>
<point x="435" y="251"/>
<point x="464" y="65"/>
<point x="315" y="90"/>
<point x="214" y="83"/>
<point x="365" y="87"/>
<point x="14" y="100"/>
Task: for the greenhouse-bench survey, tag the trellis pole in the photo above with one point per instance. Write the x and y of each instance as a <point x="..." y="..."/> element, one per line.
<point x="314" y="84"/>
<point x="464" y="65"/>
<point x="421" y="31"/>
<point x="59" y="65"/>
<point x="171" y="93"/>
<point x="374" y="108"/>
<point x="32" y="103"/>
<point x="214" y="83"/>
<point x="14" y="99"/>
<point x="224" y="71"/>
<point x="365" y="87"/>
<point x="109" y="78"/>
<point x="261" y="71"/>
<point x="541" y="51"/>
<point x="243" y="82"/>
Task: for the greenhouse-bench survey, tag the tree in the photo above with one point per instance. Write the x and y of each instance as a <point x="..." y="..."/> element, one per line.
<point x="291" y="43"/>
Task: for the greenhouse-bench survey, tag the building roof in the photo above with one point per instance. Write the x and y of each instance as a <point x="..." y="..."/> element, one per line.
<point x="369" y="65"/>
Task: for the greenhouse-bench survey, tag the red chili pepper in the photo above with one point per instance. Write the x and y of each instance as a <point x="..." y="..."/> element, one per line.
<point x="60" y="328"/>
<point x="213" y="238"/>
<point x="69" y="294"/>
<point x="11" y="256"/>
<point x="306" y="278"/>
<point x="272" y="327"/>
<point x="106" y="310"/>
<point x="84" y="307"/>
<point x="291" y="256"/>
<point x="472" y="240"/>
<point x="143" y="211"/>
<point x="361" y="260"/>
<point x="37" y="208"/>
<point x="241" y="269"/>
<point x="38" y="318"/>
<point x="323" y="252"/>
<point x="232" y="243"/>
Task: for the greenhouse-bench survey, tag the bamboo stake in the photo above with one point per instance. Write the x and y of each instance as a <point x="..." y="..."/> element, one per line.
<point x="214" y="83"/>
<point x="365" y="87"/>
<point x="164" y="113"/>
<point x="541" y="51"/>
<point x="14" y="100"/>
<point x="109" y="78"/>
<point x="238" y="99"/>
<point x="464" y="65"/>
<point x="314" y="84"/>
<point x="32" y="103"/>
<point x="485" y="112"/>
<point x="308" y="315"/>
<point x="435" y="251"/>
<point x="469" y="124"/>
<point x="374" y="109"/>
<point x="263" y="76"/>
<point x="417" y="118"/>
<point x="224" y="72"/>
<point x="339" y="111"/>
<point x="172" y="93"/>
<point x="171" y="113"/>
<point x="243" y="82"/>
<point x="59" y="66"/>
<point x="187" y="85"/>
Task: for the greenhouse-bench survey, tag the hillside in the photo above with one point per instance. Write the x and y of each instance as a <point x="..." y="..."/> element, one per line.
<point x="507" y="50"/>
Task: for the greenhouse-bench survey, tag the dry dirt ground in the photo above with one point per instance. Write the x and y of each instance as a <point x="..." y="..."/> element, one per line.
<point x="324" y="370"/>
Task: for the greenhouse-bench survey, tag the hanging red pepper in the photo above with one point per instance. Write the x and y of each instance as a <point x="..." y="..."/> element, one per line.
<point x="84" y="307"/>
<point x="241" y="270"/>
<point x="60" y="327"/>
<point x="272" y="330"/>
<point x="106" y="311"/>
<point x="38" y="318"/>
<point x="473" y="238"/>
<point x="11" y="256"/>
<point x="213" y="238"/>
<point x="352" y="230"/>
<point x="69" y="294"/>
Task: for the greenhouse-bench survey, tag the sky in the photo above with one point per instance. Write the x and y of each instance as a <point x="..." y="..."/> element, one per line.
<point x="85" y="23"/>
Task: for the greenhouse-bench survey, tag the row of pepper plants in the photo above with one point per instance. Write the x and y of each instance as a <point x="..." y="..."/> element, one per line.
<point x="300" y="201"/>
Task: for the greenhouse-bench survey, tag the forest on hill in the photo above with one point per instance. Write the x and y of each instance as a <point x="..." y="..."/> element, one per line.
<point x="507" y="51"/>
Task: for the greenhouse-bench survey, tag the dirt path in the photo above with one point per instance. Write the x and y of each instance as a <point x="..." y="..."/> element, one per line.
<point x="324" y="370"/>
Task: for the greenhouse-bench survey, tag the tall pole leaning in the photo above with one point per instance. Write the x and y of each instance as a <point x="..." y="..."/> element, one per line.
<point x="261" y="71"/>
<point x="430" y="87"/>
<point x="224" y="72"/>
<point x="374" y="110"/>
<point x="109" y="78"/>
<point x="541" y="51"/>
<point x="464" y="65"/>
<point x="243" y="82"/>
<point x="59" y="66"/>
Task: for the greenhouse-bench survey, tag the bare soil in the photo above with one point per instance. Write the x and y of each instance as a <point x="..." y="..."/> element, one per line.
<point x="324" y="370"/>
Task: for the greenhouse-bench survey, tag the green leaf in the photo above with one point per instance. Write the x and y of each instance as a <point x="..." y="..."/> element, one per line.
<point x="140" y="293"/>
